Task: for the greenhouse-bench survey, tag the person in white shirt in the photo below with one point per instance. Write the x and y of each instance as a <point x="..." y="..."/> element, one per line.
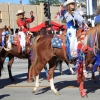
<point x="73" y="21"/>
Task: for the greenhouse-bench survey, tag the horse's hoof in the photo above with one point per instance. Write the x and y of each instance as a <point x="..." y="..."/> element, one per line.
<point x="33" y="91"/>
<point x="85" y="96"/>
<point x="56" y="93"/>
<point x="29" y="81"/>
<point x="73" y="73"/>
<point x="48" y="79"/>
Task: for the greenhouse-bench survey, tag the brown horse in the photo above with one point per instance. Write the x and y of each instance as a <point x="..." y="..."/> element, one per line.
<point x="44" y="52"/>
<point x="14" y="52"/>
<point x="1" y="31"/>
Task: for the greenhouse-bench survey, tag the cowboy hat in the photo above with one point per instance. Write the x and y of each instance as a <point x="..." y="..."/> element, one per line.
<point x="20" y="12"/>
<point x="69" y="2"/>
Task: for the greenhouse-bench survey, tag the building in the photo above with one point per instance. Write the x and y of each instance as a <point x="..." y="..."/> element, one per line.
<point x="7" y="17"/>
<point x="98" y="2"/>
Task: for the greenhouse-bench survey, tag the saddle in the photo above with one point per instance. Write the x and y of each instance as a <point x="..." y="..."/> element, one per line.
<point x="15" y="40"/>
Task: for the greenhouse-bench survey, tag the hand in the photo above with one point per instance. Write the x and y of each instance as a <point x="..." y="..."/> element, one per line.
<point x="31" y="13"/>
<point x="86" y="27"/>
<point x="58" y="13"/>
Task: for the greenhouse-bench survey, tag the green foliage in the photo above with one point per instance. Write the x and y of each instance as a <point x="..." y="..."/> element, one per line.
<point x="54" y="2"/>
<point x="36" y="2"/>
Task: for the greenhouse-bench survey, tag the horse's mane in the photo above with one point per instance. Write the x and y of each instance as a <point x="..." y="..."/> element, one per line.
<point x="91" y="38"/>
<point x="94" y="29"/>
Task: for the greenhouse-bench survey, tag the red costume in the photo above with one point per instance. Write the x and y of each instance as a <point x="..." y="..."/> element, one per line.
<point x="24" y="22"/>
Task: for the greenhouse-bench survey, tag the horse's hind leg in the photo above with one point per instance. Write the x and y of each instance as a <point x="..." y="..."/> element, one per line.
<point x="52" y="65"/>
<point x="37" y="69"/>
<point x="70" y="68"/>
<point x="46" y="70"/>
<point x="60" y="66"/>
<point x="11" y="59"/>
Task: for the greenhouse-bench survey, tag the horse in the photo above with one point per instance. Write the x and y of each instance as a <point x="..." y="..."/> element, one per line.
<point x="44" y="52"/>
<point x="11" y="54"/>
<point x="1" y="31"/>
<point x="88" y="59"/>
<point x="14" y="52"/>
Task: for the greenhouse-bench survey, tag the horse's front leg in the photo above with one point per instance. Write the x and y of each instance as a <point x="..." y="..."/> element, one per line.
<point x="11" y="60"/>
<point x="1" y="66"/>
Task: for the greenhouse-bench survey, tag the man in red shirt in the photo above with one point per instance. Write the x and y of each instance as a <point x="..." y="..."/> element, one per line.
<point x="22" y="23"/>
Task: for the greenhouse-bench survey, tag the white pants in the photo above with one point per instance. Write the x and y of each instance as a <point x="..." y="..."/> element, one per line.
<point x="71" y="33"/>
<point x="22" y="40"/>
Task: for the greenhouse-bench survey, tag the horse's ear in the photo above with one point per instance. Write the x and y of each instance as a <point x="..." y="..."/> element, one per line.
<point x="9" y="30"/>
<point x="5" y="27"/>
<point x="9" y="27"/>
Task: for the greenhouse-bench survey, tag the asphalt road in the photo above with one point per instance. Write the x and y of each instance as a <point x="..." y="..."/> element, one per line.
<point x="65" y="84"/>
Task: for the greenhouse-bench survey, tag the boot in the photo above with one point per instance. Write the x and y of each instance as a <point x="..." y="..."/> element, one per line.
<point x="9" y="45"/>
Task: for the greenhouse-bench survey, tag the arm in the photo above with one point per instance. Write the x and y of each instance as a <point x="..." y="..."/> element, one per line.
<point x="59" y="17"/>
<point x="79" y="17"/>
<point x="81" y="20"/>
<point x="29" y="20"/>
<point x="61" y="14"/>
<point x="21" y="26"/>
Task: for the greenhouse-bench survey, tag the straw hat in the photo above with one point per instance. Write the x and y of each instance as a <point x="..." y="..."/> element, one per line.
<point x="20" y="12"/>
<point x="68" y="2"/>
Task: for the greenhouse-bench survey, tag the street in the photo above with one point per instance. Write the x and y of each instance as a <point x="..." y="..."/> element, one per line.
<point x="66" y="85"/>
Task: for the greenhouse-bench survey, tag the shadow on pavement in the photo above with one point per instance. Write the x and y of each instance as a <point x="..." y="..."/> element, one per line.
<point x="18" y="79"/>
<point x="4" y="95"/>
<point x="89" y="86"/>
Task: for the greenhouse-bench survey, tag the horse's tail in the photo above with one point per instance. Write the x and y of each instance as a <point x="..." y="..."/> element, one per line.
<point x="35" y="56"/>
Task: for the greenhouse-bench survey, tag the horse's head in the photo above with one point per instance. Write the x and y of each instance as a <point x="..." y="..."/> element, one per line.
<point x="4" y="32"/>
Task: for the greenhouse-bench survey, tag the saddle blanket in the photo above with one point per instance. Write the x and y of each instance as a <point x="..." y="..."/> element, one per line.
<point x="56" y="42"/>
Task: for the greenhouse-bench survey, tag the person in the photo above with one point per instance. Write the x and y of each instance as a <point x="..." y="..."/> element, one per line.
<point x="73" y="20"/>
<point x="49" y="29"/>
<point x="22" y="23"/>
<point x="97" y="18"/>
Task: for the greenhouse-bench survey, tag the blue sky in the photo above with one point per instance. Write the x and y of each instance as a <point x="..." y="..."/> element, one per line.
<point x="23" y="1"/>
<point x="16" y="1"/>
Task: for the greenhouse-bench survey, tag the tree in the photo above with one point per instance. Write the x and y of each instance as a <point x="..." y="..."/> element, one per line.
<point x="34" y="2"/>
